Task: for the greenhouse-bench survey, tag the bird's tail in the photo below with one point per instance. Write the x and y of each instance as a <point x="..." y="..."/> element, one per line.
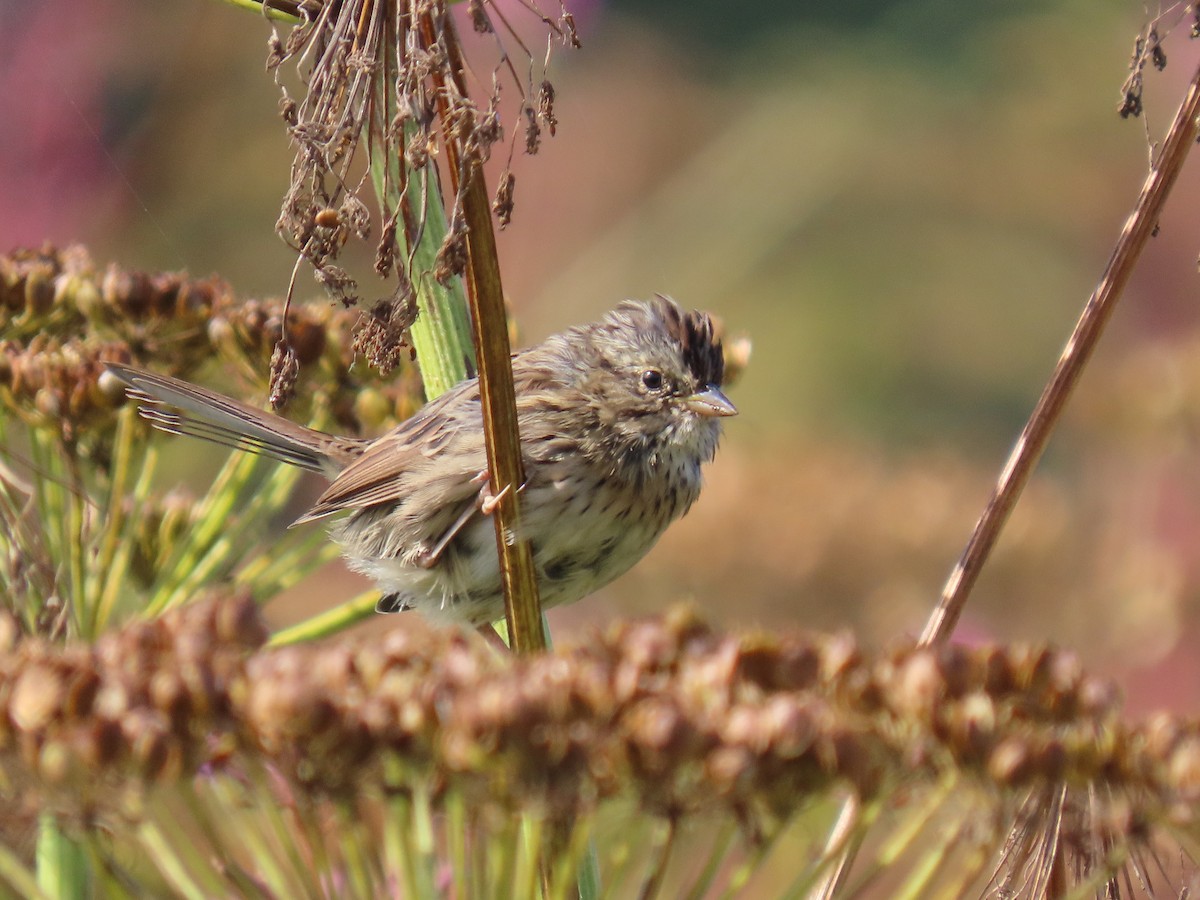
<point x="178" y="407"/>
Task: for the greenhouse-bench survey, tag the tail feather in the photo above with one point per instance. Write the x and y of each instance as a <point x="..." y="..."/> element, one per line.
<point x="178" y="407"/>
<point x="163" y="419"/>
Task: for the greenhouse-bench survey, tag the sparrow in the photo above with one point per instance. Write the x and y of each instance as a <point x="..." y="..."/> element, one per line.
<point x="616" y="418"/>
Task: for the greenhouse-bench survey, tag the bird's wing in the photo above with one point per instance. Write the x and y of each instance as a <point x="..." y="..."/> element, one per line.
<point x="419" y="449"/>
<point x="436" y="459"/>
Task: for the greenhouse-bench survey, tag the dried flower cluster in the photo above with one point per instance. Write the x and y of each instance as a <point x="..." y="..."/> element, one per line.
<point x="390" y="74"/>
<point x="665" y="710"/>
<point x="140" y="706"/>
<point x="61" y="317"/>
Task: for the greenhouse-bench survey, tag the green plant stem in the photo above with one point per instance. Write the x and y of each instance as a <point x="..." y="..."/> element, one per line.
<point x="588" y="880"/>
<point x="456" y="841"/>
<point x="102" y="572"/>
<point x="62" y="865"/>
<point x="329" y="622"/>
<point x="14" y="873"/>
<point x="168" y="861"/>
<point x="529" y="857"/>
<point x="113" y="575"/>
<point x="442" y="333"/>
<point x="664" y="843"/>
<point x="717" y="855"/>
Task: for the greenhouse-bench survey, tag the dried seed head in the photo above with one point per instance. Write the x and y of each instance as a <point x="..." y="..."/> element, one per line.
<point x="502" y="205"/>
<point x="385" y="336"/>
<point x="545" y="107"/>
<point x="275" y="51"/>
<point x="327" y="218"/>
<point x="385" y="251"/>
<point x="533" y="131"/>
<point x="1158" y="58"/>
<point x="568" y="24"/>
<point x="452" y="255"/>
<point x="285" y="371"/>
<point x="479" y="18"/>
<point x="338" y="284"/>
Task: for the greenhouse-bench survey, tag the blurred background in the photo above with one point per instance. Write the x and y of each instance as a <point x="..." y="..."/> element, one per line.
<point x="904" y="204"/>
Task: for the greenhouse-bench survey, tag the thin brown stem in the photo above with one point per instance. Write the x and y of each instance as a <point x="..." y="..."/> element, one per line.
<point x="497" y="395"/>
<point x="1028" y="449"/>
<point x="658" y="872"/>
<point x="844" y="840"/>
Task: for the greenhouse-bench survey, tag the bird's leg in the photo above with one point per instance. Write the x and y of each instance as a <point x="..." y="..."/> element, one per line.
<point x="484" y="503"/>
<point x="489" y="501"/>
<point x="427" y="558"/>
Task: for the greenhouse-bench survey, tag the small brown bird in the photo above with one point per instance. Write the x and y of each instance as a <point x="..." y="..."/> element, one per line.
<point x="616" y="419"/>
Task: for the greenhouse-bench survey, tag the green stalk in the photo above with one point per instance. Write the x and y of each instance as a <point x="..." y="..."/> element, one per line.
<point x="456" y="840"/>
<point x="423" y="835"/>
<point x="269" y="574"/>
<point x="357" y="866"/>
<point x="903" y="839"/>
<point x="62" y="865"/>
<point x="48" y="496"/>
<point x="212" y="520"/>
<point x="264" y="9"/>
<point x="281" y="881"/>
<point x="287" y="834"/>
<point x="73" y="541"/>
<point x="108" y="569"/>
<point x="588" y="880"/>
<point x="397" y="860"/>
<point x="415" y="871"/>
<point x="17" y="876"/>
<point x="167" y="861"/>
<point x="329" y="622"/>
<point x="223" y="552"/>
<point x="717" y="854"/>
<point x="442" y="333"/>
<point x="529" y="856"/>
<point x="577" y="857"/>
<point x="502" y="849"/>
<point x="931" y="863"/>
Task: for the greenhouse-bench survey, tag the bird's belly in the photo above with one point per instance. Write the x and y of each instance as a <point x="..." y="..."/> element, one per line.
<point x="581" y="540"/>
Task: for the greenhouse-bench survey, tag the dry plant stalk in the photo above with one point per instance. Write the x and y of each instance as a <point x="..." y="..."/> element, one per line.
<point x="522" y="609"/>
<point x="1140" y="226"/>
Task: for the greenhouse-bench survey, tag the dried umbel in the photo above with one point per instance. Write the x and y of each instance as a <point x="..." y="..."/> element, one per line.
<point x="682" y="716"/>
<point x="140" y="707"/>
<point x="388" y="77"/>
<point x="61" y="317"/>
<point x="666" y="713"/>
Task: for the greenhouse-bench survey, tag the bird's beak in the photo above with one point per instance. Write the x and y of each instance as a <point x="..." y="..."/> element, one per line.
<point x="710" y="402"/>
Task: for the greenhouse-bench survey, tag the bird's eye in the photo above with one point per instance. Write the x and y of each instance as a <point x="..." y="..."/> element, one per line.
<point x="652" y="379"/>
